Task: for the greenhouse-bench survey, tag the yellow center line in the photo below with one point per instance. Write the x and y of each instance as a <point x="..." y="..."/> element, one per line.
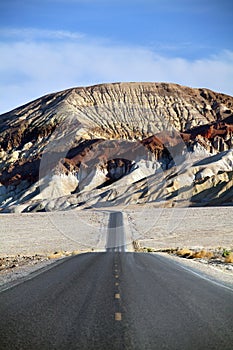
<point x="118" y="316"/>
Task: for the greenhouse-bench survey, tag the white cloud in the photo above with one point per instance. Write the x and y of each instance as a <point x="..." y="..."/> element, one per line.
<point x="32" y="68"/>
<point x="34" y="33"/>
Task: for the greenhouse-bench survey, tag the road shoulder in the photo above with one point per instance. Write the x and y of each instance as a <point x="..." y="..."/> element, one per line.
<point x="205" y="271"/>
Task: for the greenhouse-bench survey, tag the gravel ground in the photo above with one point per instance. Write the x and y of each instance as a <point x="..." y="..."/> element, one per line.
<point x="15" y="268"/>
<point x="43" y="233"/>
<point x="161" y="228"/>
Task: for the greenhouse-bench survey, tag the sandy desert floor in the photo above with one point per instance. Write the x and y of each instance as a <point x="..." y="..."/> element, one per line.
<point x="159" y="228"/>
<point x="54" y="231"/>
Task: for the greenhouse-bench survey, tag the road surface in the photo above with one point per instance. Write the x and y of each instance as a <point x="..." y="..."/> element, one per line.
<point x="116" y="300"/>
<point x="116" y="234"/>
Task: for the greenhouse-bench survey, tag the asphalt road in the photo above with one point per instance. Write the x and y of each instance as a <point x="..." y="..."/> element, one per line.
<point x="116" y="300"/>
<point x="116" y="234"/>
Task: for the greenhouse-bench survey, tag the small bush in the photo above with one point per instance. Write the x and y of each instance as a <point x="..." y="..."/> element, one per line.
<point x="75" y="252"/>
<point x="226" y="253"/>
<point x="150" y="250"/>
<point x="203" y="254"/>
<point x="229" y="258"/>
<point x="209" y="255"/>
<point x="185" y="253"/>
<point x="55" y="255"/>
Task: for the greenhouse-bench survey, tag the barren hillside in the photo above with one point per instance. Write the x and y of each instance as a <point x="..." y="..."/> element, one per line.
<point x="123" y="143"/>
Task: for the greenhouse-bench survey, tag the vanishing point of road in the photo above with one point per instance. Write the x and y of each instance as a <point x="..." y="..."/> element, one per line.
<point x="116" y="300"/>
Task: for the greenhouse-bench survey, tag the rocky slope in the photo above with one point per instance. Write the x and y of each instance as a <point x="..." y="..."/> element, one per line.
<point x="122" y="143"/>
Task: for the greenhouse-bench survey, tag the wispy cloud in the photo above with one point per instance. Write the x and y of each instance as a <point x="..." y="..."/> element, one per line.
<point x="34" y="34"/>
<point x="31" y="68"/>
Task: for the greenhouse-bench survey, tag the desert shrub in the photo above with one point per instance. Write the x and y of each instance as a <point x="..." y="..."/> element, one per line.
<point x="209" y="255"/>
<point x="226" y="253"/>
<point x="150" y="250"/>
<point x="184" y="252"/>
<point x="229" y="258"/>
<point x="203" y="254"/>
<point x="75" y="252"/>
<point x="55" y="255"/>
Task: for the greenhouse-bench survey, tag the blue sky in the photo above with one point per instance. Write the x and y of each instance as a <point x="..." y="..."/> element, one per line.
<point x="50" y="45"/>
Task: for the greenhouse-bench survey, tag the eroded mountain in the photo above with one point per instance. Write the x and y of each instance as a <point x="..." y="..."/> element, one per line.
<point x="118" y="144"/>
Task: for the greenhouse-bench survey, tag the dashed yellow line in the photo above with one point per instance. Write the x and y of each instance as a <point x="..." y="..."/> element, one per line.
<point x="118" y="316"/>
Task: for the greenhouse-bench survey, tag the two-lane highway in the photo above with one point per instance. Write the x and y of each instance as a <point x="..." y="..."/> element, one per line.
<point x="116" y="233"/>
<point x="116" y="301"/>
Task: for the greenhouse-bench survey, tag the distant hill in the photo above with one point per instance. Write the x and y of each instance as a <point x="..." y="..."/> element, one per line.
<point x="118" y="144"/>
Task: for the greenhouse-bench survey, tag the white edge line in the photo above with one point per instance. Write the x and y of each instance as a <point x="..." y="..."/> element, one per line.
<point x="31" y="275"/>
<point x="202" y="276"/>
<point x="207" y="278"/>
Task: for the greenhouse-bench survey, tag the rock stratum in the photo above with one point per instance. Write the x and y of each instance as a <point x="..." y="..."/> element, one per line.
<point x="118" y="144"/>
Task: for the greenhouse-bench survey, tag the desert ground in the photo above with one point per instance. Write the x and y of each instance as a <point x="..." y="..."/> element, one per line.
<point x="160" y="228"/>
<point x="203" y="227"/>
